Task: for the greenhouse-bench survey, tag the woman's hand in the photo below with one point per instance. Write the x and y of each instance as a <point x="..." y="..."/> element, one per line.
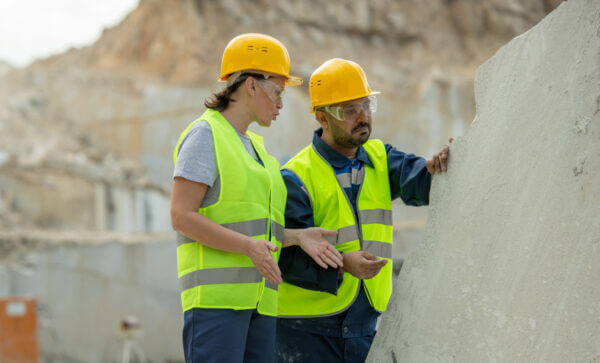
<point x="312" y="241"/>
<point x="259" y="252"/>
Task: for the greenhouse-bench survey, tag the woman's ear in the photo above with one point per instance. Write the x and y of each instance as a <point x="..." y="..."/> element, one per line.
<point x="250" y="85"/>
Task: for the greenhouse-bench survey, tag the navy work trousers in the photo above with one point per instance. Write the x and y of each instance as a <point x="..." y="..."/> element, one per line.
<point x="297" y="346"/>
<point x="226" y="335"/>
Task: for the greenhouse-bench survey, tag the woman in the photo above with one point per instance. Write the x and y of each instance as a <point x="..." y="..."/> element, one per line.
<point x="227" y="206"/>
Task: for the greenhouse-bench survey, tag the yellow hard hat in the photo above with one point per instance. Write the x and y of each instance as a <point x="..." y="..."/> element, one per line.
<point x="338" y="80"/>
<point x="259" y="52"/>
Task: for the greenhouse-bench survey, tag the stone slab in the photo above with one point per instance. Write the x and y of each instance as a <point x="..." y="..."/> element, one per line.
<point x="508" y="270"/>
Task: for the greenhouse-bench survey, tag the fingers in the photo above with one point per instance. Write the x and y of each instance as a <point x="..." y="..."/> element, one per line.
<point x="375" y="265"/>
<point x="271" y="246"/>
<point x="328" y="260"/>
<point x="371" y="265"/>
<point x="438" y="162"/>
<point x="443" y="157"/>
<point x="433" y="165"/>
<point x="369" y="256"/>
<point x="363" y="265"/>
<point x="271" y="271"/>
<point x="329" y="256"/>
<point x="264" y="262"/>
<point x="327" y="232"/>
<point x="335" y="255"/>
<point x="382" y="262"/>
<point x="320" y="262"/>
<point x="373" y="268"/>
<point x="313" y="243"/>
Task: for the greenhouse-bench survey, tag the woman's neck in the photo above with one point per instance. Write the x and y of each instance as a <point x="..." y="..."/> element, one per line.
<point x="238" y="117"/>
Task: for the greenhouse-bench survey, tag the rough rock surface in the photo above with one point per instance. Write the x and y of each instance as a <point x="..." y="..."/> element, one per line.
<point x="509" y="267"/>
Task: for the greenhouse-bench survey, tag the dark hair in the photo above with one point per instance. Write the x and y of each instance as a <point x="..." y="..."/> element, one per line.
<point x="220" y="101"/>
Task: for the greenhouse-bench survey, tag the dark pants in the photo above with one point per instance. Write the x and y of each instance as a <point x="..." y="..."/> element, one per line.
<point x="297" y="346"/>
<point x="225" y="335"/>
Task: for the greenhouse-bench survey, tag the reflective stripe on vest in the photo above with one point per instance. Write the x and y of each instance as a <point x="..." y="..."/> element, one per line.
<point x="377" y="248"/>
<point x="253" y="228"/>
<point x="380" y="216"/>
<point x="251" y="202"/>
<point x="231" y="275"/>
<point x="372" y="232"/>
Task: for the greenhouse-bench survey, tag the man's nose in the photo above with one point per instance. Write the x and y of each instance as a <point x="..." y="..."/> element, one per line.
<point x="362" y="116"/>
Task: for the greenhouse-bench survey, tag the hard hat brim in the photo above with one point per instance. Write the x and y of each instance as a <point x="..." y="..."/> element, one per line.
<point x="293" y="81"/>
<point x="373" y="93"/>
<point x="290" y="80"/>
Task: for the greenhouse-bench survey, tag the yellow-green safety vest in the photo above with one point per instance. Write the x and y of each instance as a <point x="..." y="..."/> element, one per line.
<point x="372" y="232"/>
<point x="252" y="202"/>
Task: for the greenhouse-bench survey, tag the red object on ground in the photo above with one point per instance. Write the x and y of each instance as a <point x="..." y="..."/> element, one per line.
<point x="18" y="330"/>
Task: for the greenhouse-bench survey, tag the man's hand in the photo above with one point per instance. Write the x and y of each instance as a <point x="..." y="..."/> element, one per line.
<point x="312" y="242"/>
<point x="362" y="265"/>
<point x="438" y="162"/>
<point x="259" y="252"/>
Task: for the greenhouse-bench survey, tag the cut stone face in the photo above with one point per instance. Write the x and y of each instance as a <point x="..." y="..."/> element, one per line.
<point x="509" y="268"/>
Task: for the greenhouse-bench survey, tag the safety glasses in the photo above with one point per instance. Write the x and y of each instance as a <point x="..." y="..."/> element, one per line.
<point x="352" y="111"/>
<point x="274" y="91"/>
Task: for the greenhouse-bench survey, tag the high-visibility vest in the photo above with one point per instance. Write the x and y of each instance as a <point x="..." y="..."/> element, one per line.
<point x="252" y="202"/>
<point x="372" y="232"/>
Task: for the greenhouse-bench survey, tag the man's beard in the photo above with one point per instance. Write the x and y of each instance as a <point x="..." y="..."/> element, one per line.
<point x="349" y="141"/>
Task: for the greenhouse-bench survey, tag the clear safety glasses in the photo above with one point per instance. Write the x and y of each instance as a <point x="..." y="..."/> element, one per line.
<point x="352" y="111"/>
<point x="274" y="91"/>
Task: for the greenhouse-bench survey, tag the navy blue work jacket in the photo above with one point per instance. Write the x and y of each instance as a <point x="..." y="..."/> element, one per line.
<point x="409" y="180"/>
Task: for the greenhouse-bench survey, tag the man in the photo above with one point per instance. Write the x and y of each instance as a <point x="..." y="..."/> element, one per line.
<point x="344" y="182"/>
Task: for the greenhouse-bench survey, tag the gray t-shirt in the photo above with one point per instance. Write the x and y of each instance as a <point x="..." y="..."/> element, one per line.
<point x="196" y="160"/>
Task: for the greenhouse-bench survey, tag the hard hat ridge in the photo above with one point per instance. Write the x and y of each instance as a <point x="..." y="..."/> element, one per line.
<point x="338" y="80"/>
<point x="257" y="52"/>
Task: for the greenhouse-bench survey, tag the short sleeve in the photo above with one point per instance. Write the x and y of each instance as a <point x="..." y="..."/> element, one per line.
<point x="196" y="156"/>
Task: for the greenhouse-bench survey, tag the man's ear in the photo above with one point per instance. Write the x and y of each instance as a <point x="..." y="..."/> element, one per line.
<point x="322" y="119"/>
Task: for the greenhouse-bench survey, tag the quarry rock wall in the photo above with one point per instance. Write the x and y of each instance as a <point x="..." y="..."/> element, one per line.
<point x="118" y="105"/>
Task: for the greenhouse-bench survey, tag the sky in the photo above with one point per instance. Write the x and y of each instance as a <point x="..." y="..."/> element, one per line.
<point x="31" y="29"/>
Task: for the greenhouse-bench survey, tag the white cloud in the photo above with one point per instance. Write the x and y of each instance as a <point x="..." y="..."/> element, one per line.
<point x="31" y="29"/>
